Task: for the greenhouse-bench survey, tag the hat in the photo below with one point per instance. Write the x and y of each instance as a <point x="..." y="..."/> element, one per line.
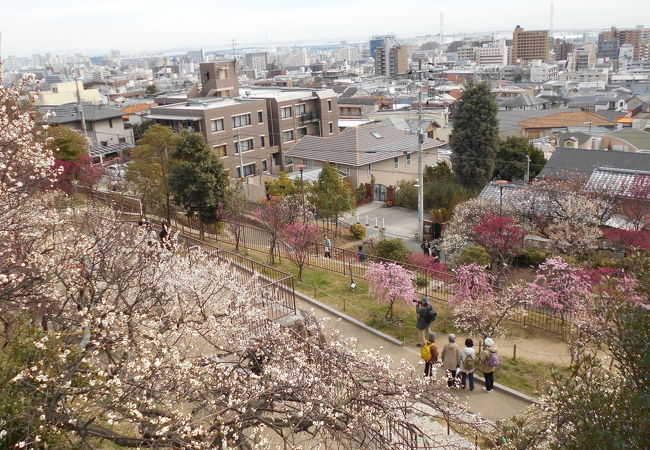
<point x="424" y="299"/>
<point x="489" y="342"/>
<point x="431" y="336"/>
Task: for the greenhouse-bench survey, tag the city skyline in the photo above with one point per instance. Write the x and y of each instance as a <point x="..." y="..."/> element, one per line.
<point x="135" y="27"/>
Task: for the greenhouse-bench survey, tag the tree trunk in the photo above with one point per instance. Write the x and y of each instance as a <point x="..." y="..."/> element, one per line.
<point x="201" y="229"/>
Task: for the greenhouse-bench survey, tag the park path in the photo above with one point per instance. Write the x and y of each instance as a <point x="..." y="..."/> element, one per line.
<point x="494" y="406"/>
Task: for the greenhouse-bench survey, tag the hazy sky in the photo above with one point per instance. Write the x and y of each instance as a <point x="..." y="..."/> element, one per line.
<point x="93" y="26"/>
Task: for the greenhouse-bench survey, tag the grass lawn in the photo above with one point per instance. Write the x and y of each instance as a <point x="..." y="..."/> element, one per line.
<point x="334" y="289"/>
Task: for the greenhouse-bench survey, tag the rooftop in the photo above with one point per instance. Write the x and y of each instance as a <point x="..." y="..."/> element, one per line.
<point x="358" y="146"/>
<point x="70" y="112"/>
<point x="566" y="119"/>
<point x="284" y="94"/>
<point x="568" y="162"/>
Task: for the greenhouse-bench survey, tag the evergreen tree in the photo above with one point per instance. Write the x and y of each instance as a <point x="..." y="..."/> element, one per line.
<point x="151" y="165"/>
<point x="510" y="161"/>
<point x="67" y="144"/>
<point x="198" y="179"/>
<point x="331" y="196"/>
<point x="475" y="136"/>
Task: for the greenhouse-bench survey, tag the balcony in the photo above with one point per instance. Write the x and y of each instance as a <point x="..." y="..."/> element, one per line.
<point x="309" y="116"/>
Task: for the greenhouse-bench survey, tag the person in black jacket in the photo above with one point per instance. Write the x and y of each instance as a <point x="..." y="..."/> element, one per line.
<point x="426" y="316"/>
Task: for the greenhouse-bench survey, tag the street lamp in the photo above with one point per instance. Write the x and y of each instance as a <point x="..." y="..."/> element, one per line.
<point x="301" y="167"/>
<point x="501" y="184"/>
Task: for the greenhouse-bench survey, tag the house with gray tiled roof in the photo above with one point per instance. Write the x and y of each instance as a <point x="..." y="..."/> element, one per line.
<point x="566" y="163"/>
<point x="375" y="149"/>
<point x="104" y="124"/>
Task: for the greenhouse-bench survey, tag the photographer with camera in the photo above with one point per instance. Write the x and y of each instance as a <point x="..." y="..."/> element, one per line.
<point x="426" y="316"/>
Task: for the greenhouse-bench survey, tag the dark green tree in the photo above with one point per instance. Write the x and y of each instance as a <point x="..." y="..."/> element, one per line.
<point x="151" y="89"/>
<point x="198" y="179"/>
<point x="67" y="144"/>
<point x="510" y="161"/>
<point x="475" y="136"/>
<point x="407" y="194"/>
<point x="330" y="196"/>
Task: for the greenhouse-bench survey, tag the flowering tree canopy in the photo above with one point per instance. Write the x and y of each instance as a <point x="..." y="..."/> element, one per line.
<point x="108" y="340"/>
<point x="274" y="214"/>
<point x="390" y="282"/>
<point x="500" y="236"/>
<point x="299" y="237"/>
<point x="478" y="307"/>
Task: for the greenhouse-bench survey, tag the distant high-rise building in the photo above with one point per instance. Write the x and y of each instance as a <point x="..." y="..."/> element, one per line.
<point x="115" y="54"/>
<point x="196" y="56"/>
<point x="562" y="48"/>
<point x="529" y="45"/>
<point x="391" y="59"/>
<point x="583" y="57"/>
<point x="636" y="37"/>
<point x="378" y="41"/>
<point x="37" y="60"/>
<point x="257" y="61"/>
<point x="493" y="53"/>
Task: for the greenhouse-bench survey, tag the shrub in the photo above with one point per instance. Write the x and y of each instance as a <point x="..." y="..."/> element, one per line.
<point x="436" y="270"/>
<point x="530" y="258"/>
<point x="407" y="194"/>
<point x="392" y="249"/>
<point x="421" y="280"/>
<point x="473" y="254"/>
<point x="358" y="230"/>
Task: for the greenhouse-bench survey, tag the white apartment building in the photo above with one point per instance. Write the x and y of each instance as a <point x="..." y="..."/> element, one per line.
<point x="345" y="54"/>
<point x="495" y="53"/>
<point x="466" y="54"/>
<point x="541" y="72"/>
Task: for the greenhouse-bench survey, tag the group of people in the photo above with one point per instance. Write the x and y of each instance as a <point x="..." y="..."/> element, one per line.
<point x="327" y="247"/>
<point x="162" y="238"/>
<point x="430" y="248"/>
<point x="459" y="364"/>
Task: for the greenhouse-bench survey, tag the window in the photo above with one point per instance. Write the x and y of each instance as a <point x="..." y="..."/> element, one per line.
<point x="249" y="169"/>
<point x="104" y="143"/>
<point x="221" y="150"/>
<point x="286" y="112"/>
<point x="246" y="145"/>
<point x="241" y="121"/>
<point x="287" y="136"/>
<point x="302" y="132"/>
<point x="110" y="123"/>
<point x="395" y="163"/>
<point x="300" y="110"/>
<point x="331" y="128"/>
<point x="329" y="105"/>
<point x="262" y="141"/>
<point x="288" y="160"/>
<point x="309" y="163"/>
<point x="408" y="159"/>
<point x="264" y="166"/>
<point x="121" y="140"/>
<point x="260" y="117"/>
<point x="216" y="125"/>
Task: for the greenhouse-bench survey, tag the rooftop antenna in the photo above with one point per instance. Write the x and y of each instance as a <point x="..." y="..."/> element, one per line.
<point x="442" y="34"/>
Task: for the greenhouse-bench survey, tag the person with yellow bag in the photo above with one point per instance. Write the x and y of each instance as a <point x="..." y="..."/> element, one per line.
<point x="429" y="354"/>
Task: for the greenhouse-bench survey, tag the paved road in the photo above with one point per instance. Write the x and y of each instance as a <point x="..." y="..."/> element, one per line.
<point x="495" y="405"/>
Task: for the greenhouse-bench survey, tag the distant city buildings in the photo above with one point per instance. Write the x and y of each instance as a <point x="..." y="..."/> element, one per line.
<point x="391" y="58"/>
<point x="529" y="45"/>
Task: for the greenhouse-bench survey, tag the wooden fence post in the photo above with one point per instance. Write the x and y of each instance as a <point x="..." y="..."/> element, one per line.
<point x="514" y="352"/>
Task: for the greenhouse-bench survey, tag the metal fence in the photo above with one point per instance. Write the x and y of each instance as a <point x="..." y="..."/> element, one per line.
<point x="432" y="283"/>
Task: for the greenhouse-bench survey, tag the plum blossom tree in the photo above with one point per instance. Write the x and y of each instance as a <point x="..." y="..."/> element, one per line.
<point x="458" y="232"/>
<point x="299" y="237"/>
<point x="274" y="214"/>
<point x="233" y="212"/>
<point x="108" y="341"/>
<point x="561" y="287"/>
<point x="500" y="236"/>
<point x="479" y="308"/>
<point x="390" y="282"/>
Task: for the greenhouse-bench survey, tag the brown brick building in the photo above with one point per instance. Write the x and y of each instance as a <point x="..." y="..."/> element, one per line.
<point x="263" y="122"/>
<point x="529" y="45"/>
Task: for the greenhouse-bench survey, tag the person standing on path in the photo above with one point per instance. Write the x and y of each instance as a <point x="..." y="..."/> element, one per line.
<point x="425" y="247"/>
<point x="429" y="354"/>
<point x="328" y="247"/>
<point x="467" y="364"/>
<point x="451" y="360"/>
<point x="489" y="361"/>
<point x="426" y="315"/>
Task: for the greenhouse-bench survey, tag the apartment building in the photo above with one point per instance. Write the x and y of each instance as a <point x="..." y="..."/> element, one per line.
<point x="294" y="113"/>
<point x="529" y="45"/>
<point x="391" y="59"/>
<point x="257" y="61"/>
<point x="236" y="128"/>
<point x="494" y="53"/>
<point x="583" y="57"/>
<point x="637" y="37"/>
<point x="263" y="122"/>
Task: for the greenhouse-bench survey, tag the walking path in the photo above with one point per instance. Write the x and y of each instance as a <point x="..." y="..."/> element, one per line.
<point x="495" y="405"/>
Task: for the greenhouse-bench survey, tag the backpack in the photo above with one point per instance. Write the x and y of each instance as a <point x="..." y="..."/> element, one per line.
<point x="492" y="360"/>
<point x="432" y="315"/>
<point x="428" y="351"/>
<point x="468" y="364"/>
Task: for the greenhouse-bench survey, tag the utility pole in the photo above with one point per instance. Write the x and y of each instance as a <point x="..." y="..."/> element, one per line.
<point x="81" y="109"/>
<point x="241" y="166"/>
<point x="420" y="160"/>
<point x="527" y="176"/>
